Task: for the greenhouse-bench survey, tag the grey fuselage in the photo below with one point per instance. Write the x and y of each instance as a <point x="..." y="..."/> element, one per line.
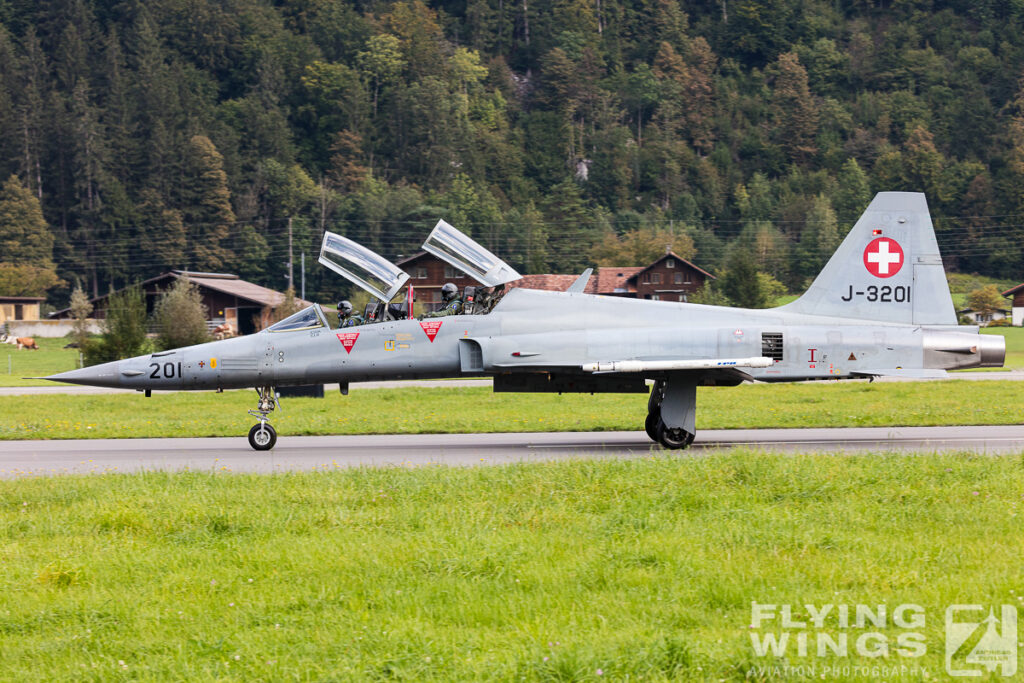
<point x="541" y="332"/>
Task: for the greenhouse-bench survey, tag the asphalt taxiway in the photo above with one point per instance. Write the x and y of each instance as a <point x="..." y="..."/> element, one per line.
<point x="20" y="458"/>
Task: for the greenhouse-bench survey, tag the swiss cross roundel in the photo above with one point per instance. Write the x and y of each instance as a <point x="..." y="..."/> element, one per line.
<point x="883" y="257"/>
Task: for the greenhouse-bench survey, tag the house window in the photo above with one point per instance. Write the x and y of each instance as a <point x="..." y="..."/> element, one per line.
<point x="655" y="278"/>
<point x="647" y="279"/>
<point x="452" y="274"/>
<point x="688" y="280"/>
<point x="679" y="278"/>
<point x="670" y="263"/>
<point x="655" y="297"/>
<point x="421" y="273"/>
<point x="19" y="312"/>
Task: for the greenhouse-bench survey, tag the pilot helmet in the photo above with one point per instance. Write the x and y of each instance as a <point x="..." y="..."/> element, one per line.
<point x="448" y="291"/>
<point x="345" y="307"/>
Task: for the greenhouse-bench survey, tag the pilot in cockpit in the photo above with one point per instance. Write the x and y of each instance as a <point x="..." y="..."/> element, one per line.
<point x="346" y="318"/>
<point x="452" y="302"/>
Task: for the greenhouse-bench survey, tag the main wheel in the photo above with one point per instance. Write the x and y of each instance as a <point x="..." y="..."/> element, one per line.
<point x="651" y="425"/>
<point x="262" y="436"/>
<point x="673" y="438"/>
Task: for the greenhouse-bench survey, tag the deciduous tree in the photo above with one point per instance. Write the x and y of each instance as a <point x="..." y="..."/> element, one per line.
<point x="180" y="316"/>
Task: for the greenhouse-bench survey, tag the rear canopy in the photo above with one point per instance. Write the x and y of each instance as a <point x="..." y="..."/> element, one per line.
<point x="359" y="265"/>
<point x="458" y="250"/>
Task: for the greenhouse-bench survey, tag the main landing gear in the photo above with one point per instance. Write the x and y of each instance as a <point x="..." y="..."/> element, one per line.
<point x="263" y="436"/>
<point x="671" y="412"/>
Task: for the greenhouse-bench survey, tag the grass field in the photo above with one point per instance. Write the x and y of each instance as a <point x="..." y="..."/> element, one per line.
<point x="448" y="410"/>
<point x="50" y="359"/>
<point x="582" y="570"/>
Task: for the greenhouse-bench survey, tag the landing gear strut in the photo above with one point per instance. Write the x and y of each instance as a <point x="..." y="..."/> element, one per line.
<point x="263" y="436"/>
<point x="670" y="413"/>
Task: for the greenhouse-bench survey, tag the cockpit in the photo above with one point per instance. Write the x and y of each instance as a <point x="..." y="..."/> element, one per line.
<point x="384" y="280"/>
<point x="307" y="319"/>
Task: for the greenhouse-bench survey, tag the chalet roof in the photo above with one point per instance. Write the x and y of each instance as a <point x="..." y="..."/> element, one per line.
<point x="964" y="311"/>
<point x="21" y="299"/>
<point x="613" y="280"/>
<point x="672" y="254"/>
<point x="1013" y="290"/>
<point x="243" y="289"/>
<point x="414" y="257"/>
<point x="227" y="283"/>
<point x="549" y="282"/>
<point x="605" y="280"/>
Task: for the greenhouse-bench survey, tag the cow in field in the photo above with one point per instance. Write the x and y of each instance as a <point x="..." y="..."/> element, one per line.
<point x="20" y="342"/>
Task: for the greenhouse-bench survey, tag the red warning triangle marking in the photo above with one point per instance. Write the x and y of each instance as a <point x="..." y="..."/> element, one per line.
<point x="431" y="327"/>
<point x="348" y="340"/>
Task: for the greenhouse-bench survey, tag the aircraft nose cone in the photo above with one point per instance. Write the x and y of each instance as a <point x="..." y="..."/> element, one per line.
<point x="105" y="375"/>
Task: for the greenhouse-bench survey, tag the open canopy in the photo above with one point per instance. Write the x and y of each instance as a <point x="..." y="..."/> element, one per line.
<point x="356" y="263"/>
<point x="450" y="245"/>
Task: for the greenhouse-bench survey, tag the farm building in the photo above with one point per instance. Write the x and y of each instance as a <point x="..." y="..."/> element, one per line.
<point x="228" y="299"/>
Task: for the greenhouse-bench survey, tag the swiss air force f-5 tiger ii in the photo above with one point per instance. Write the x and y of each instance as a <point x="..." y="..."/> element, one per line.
<point x="881" y="306"/>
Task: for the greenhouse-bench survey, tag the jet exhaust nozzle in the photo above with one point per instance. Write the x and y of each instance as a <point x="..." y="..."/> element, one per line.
<point x="953" y="350"/>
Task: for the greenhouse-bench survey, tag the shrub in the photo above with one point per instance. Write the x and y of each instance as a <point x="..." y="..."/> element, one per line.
<point x="181" y="317"/>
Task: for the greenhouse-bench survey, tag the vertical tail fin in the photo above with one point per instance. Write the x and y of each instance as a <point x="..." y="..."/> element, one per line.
<point x="887" y="269"/>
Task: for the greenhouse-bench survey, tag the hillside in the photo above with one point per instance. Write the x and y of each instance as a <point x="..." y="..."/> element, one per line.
<point x="186" y="133"/>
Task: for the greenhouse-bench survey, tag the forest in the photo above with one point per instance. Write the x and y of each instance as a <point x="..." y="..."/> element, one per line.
<point x="137" y="137"/>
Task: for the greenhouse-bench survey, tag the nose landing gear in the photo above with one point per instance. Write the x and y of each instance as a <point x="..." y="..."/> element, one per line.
<point x="263" y="436"/>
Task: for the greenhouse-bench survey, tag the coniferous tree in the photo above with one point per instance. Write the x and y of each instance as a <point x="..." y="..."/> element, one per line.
<point x="853" y="192"/>
<point x="796" y="112"/>
<point x="206" y="205"/>
<point x="26" y="243"/>
<point x="818" y="239"/>
<point x="740" y="282"/>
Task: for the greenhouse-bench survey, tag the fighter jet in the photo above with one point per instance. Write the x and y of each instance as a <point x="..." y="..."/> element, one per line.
<point x="880" y="306"/>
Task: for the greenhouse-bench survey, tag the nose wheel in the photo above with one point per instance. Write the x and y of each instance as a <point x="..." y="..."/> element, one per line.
<point x="263" y="436"/>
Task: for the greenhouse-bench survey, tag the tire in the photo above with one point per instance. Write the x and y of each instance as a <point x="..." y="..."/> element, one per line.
<point x="262" y="437"/>
<point x="673" y="439"/>
<point x="651" y="425"/>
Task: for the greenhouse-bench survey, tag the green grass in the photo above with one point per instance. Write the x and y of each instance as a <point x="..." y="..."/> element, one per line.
<point x="642" y="569"/>
<point x="1014" y="347"/>
<point x="447" y="410"/>
<point x="50" y="359"/>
